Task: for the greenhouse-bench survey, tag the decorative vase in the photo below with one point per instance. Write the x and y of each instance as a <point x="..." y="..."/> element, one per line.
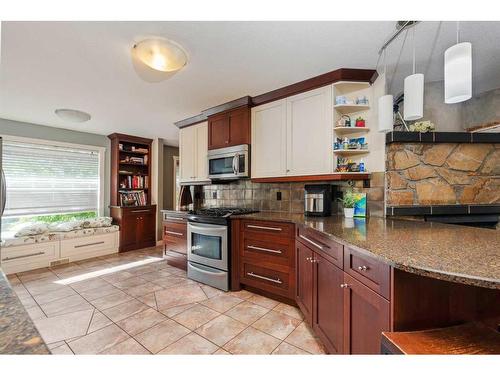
<point x="348" y="212"/>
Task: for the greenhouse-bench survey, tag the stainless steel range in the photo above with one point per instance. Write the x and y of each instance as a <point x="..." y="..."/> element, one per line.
<point x="208" y="244"/>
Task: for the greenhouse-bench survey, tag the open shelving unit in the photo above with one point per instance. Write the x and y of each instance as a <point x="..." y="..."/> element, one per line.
<point x="352" y="90"/>
<point x="130" y="170"/>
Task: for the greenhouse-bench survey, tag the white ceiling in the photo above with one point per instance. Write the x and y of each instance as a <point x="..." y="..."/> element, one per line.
<point x="87" y="66"/>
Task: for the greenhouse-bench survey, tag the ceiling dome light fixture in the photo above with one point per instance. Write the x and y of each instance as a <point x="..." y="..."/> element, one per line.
<point x="414" y="92"/>
<point x="458" y="72"/>
<point x="72" y="115"/>
<point x="156" y="59"/>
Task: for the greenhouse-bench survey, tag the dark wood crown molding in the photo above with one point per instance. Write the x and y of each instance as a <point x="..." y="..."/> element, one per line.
<point x="130" y="138"/>
<point x="344" y="74"/>
<point x="364" y="75"/>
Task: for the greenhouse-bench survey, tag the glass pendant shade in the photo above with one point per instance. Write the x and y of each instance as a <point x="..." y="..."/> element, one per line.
<point x="458" y="73"/>
<point x="385" y="114"/>
<point x="157" y="59"/>
<point x="414" y="97"/>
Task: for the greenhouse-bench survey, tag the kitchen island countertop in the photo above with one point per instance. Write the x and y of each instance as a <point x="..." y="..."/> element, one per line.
<point x="447" y="252"/>
<point x="18" y="334"/>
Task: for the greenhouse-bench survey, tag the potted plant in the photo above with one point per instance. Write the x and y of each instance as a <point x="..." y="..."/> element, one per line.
<point x="360" y="122"/>
<point x="348" y="202"/>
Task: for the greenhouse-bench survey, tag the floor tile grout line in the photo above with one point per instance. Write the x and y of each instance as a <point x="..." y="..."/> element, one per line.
<point x="90" y="322"/>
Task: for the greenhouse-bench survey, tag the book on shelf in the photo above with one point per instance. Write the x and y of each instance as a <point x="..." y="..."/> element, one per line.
<point x="134" y="182"/>
<point x="132" y="198"/>
<point x="139" y="150"/>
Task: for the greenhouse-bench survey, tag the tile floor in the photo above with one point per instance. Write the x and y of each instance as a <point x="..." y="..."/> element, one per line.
<point x="135" y="303"/>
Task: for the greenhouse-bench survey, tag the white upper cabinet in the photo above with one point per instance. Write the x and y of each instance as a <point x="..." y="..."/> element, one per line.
<point x="202" y="151"/>
<point x="269" y="140"/>
<point x="309" y="120"/>
<point x="293" y="136"/>
<point x="193" y="145"/>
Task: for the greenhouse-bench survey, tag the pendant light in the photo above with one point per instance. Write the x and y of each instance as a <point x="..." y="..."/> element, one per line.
<point x="385" y="107"/>
<point x="458" y="72"/>
<point x="414" y="92"/>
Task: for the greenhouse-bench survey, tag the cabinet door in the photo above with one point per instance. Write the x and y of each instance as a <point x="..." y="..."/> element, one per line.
<point x="218" y="131"/>
<point x="128" y="231"/>
<point x="328" y="304"/>
<point x="304" y="281"/>
<point x="366" y="316"/>
<point x="187" y="152"/>
<point x="201" y="152"/>
<point x="309" y="121"/>
<point x="239" y="127"/>
<point x="269" y="140"/>
<point x="147" y="228"/>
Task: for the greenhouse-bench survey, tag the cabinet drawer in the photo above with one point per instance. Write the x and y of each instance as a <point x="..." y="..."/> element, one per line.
<point x="275" y="281"/>
<point x="139" y="211"/>
<point x="273" y="228"/>
<point x="319" y="242"/>
<point x="172" y="229"/>
<point x="268" y="251"/>
<point x="371" y="272"/>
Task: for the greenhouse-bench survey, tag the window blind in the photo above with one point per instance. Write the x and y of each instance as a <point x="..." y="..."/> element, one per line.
<point x="45" y="179"/>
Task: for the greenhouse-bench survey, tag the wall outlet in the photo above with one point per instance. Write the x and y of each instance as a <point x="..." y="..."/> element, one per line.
<point x="278" y="195"/>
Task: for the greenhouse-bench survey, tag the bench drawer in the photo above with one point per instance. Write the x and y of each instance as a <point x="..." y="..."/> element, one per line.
<point x="323" y="244"/>
<point x="373" y="273"/>
<point x="28" y="257"/>
<point x="87" y="247"/>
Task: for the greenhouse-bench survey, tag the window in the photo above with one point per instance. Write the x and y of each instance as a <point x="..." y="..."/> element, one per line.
<point x="50" y="182"/>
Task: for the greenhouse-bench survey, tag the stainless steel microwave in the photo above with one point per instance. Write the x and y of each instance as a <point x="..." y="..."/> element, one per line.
<point x="229" y="163"/>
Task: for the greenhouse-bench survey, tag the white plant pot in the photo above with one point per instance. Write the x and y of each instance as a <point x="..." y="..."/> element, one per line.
<point x="348" y="212"/>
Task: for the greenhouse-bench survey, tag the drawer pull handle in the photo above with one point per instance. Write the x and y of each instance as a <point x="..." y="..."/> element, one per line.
<point x="89" y="244"/>
<point x="174" y="233"/>
<point x="276" y="281"/>
<point x="174" y="218"/>
<point x="311" y="242"/>
<point x="137" y="211"/>
<point x="363" y="268"/>
<point x="344" y="286"/>
<point x="265" y="228"/>
<point x="23" y="256"/>
<point x="264" y="249"/>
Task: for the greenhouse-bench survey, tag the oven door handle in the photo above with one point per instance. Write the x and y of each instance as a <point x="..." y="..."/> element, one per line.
<point x="206" y="229"/>
<point x="199" y="269"/>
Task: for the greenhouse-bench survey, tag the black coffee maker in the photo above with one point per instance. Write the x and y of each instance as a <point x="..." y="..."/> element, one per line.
<point x="318" y="200"/>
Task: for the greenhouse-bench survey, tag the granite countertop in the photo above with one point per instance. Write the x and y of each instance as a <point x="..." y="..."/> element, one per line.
<point x="18" y="334"/>
<point x="454" y="253"/>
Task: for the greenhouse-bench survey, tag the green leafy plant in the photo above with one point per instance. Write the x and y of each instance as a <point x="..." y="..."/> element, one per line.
<point x="349" y="199"/>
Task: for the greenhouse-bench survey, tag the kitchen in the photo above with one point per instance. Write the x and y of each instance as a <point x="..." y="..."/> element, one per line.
<point x="326" y="214"/>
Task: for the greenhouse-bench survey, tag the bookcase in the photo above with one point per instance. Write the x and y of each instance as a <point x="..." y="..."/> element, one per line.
<point x="131" y="206"/>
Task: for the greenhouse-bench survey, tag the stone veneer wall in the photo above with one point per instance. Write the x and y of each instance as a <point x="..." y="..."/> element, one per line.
<point x="262" y="196"/>
<point x="442" y="174"/>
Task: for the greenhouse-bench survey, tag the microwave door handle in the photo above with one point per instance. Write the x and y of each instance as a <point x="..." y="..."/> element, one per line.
<point x="235" y="159"/>
<point x="237" y="163"/>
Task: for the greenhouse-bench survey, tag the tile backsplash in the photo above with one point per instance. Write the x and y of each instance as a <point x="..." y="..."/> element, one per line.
<point x="263" y="196"/>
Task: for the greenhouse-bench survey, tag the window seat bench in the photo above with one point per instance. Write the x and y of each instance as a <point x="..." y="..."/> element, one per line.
<point x="19" y="254"/>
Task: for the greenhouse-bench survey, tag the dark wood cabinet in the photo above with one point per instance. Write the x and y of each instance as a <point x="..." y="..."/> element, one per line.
<point x="137" y="226"/>
<point x="328" y="304"/>
<point x="305" y="280"/>
<point x="230" y="128"/>
<point x="339" y="290"/>
<point x="175" y="242"/>
<point x="366" y="316"/>
<point x="266" y="257"/>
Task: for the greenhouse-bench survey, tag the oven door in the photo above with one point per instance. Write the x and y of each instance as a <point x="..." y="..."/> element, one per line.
<point x="230" y="163"/>
<point x="207" y="245"/>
